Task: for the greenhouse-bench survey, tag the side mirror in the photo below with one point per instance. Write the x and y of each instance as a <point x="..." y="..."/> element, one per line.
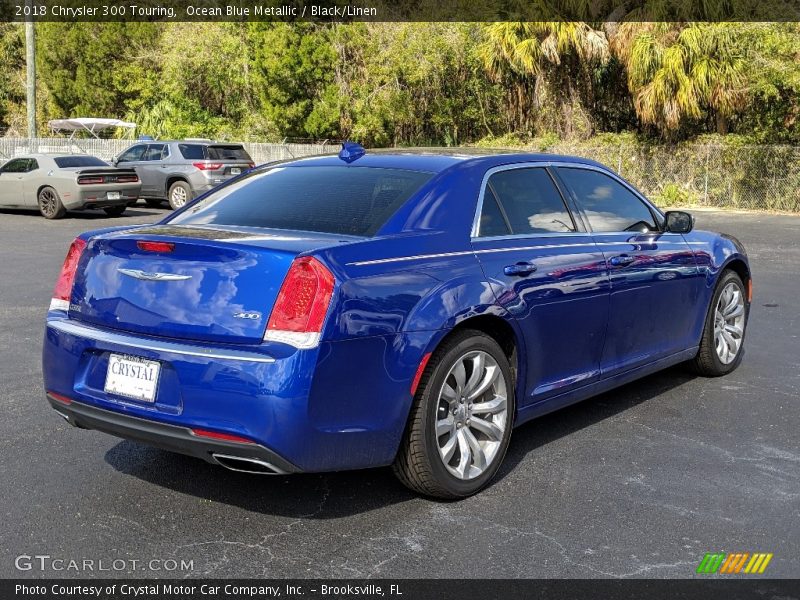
<point x="679" y="221"/>
<point x="114" y="160"/>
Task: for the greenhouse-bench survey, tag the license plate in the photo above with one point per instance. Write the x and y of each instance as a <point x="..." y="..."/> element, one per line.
<point x="132" y="377"/>
<point x="114" y="195"/>
<point x="235" y="171"/>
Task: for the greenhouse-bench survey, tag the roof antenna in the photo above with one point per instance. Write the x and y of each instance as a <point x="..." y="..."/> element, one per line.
<point x="351" y="151"/>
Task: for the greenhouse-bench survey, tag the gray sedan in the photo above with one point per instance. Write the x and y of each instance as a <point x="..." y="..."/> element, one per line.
<point x="56" y="183"/>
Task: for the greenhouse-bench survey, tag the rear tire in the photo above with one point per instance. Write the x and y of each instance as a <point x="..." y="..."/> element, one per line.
<point x="722" y="344"/>
<point x="153" y="202"/>
<point x="50" y="204"/>
<point x="179" y="194"/>
<point x="461" y="419"/>
<point x="115" y="211"/>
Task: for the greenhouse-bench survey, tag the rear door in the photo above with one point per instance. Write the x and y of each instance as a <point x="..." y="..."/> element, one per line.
<point x="547" y="271"/>
<point x="654" y="278"/>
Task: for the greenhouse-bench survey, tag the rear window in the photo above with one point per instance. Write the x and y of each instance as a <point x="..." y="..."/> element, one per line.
<point x="227" y="153"/>
<point x="217" y="152"/>
<point x="340" y="200"/>
<point x="70" y="162"/>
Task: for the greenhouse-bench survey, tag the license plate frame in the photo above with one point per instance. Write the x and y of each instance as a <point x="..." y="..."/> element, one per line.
<point x="236" y="171"/>
<point x="128" y="376"/>
<point x="114" y="195"/>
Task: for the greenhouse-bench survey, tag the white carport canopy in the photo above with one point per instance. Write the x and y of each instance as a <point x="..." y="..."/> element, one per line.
<point x="93" y="126"/>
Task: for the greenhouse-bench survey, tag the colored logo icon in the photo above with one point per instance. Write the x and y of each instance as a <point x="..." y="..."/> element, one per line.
<point x="733" y="563"/>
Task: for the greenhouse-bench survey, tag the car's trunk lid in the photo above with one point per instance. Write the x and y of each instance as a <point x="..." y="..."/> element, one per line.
<point x="216" y="284"/>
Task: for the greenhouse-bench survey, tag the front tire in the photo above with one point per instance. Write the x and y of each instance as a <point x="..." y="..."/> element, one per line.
<point x="115" y="211"/>
<point x="179" y="194"/>
<point x="50" y="203"/>
<point x="722" y="344"/>
<point x="460" y="423"/>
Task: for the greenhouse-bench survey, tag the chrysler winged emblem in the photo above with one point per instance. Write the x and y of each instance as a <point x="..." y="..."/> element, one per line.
<point x="148" y="276"/>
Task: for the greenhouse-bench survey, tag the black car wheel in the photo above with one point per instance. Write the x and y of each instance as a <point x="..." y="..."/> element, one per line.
<point x="722" y="344"/>
<point x="153" y="202"/>
<point x="461" y="419"/>
<point x="50" y="204"/>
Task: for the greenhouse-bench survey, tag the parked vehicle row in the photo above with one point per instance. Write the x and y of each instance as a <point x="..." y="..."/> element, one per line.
<point x="176" y="171"/>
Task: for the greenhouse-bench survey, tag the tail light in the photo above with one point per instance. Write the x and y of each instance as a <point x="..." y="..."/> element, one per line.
<point x="155" y="246"/>
<point x="63" y="289"/>
<point x="91" y="180"/>
<point x="204" y="166"/>
<point x="127" y="179"/>
<point x="302" y="304"/>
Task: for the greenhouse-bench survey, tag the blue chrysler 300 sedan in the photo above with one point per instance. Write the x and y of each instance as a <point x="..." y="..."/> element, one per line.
<point x="404" y="309"/>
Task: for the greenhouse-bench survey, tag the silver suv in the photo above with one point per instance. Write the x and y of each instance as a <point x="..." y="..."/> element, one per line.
<point x="180" y="171"/>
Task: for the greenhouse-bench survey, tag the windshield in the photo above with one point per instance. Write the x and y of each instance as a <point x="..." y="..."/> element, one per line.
<point x="69" y="162"/>
<point x="339" y="200"/>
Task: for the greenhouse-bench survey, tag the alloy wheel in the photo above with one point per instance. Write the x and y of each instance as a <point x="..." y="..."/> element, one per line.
<point x="178" y="196"/>
<point x="48" y="202"/>
<point x="729" y="317"/>
<point x="471" y="415"/>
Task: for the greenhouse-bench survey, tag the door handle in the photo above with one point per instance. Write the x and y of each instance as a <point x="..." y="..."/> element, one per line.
<point x="520" y="269"/>
<point x="622" y="260"/>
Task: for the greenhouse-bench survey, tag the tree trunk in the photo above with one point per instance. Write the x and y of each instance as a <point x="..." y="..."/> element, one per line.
<point x="722" y="124"/>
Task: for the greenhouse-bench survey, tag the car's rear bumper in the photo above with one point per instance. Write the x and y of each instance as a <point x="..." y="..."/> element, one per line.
<point x="98" y="198"/>
<point x="342" y="405"/>
<point x="171" y="437"/>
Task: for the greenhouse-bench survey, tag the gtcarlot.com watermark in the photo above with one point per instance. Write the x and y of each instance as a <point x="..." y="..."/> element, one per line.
<point x="57" y="564"/>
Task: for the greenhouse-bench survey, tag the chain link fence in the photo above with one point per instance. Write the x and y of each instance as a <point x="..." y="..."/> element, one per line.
<point x="744" y="177"/>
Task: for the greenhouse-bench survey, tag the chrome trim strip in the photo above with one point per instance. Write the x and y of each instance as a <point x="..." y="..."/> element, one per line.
<point x="381" y="261"/>
<point x="119" y="339"/>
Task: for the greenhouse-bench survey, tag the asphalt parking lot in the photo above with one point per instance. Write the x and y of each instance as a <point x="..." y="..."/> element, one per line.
<point x="639" y="482"/>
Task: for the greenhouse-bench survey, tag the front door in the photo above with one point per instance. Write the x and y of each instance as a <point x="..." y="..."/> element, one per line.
<point x="152" y="171"/>
<point x="12" y="177"/>
<point x="548" y="273"/>
<point x="655" y="283"/>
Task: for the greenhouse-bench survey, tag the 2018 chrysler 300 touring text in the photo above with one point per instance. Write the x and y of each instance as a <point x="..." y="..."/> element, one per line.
<point x="371" y="309"/>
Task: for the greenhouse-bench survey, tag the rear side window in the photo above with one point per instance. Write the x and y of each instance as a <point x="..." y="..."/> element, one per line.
<point x="528" y="201"/>
<point x="192" y="151"/>
<point x="71" y="162"/>
<point x="608" y="205"/>
<point x="340" y="200"/>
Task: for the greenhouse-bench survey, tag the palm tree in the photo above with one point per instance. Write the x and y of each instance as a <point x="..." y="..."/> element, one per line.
<point x="680" y="72"/>
<point x="545" y="62"/>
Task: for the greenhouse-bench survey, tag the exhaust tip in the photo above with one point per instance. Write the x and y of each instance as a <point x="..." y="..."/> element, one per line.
<point x="242" y="464"/>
